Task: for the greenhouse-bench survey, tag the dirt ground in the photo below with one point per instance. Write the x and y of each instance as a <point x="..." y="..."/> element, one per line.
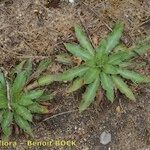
<point x="37" y="29"/>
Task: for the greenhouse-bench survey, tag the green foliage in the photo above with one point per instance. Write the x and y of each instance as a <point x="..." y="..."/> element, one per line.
<point x="18" y="103"/>
<point x="103" y="66"/>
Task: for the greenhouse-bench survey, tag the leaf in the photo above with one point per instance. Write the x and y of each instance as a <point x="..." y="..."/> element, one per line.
<point x="77" y="83"/>
<point x="90" y="75"/>
<point x="46" y="80"/>
<point x="3" y="102"/>
<point x="142" y="49"/>
<point x="117" y="58"/>
<point x="19" y="68"/>
<point x="2" y="80"/>
<point x="7" y="132"/>
<point x="135" y="77"/>
<point x="25" y="100"/>
<point x="34" y="94"/>
<point x="89" y="95"/>
<point x="78" y="51"/>
<point x="72" y="73"/>
<point x="1" y="115"/>
<point x="123" y="87"/>
<point x="36" y="108"/>
<point x="28" y="67"/>
<point x="6" y="122"/>
<point x="3" y="98"/>
<point x="101" y="50"/>
<point x="43" y="65"/>
<point x="114" y="37"/>
<point x="91" y="62"/>
<point x="126" y="64"/>
<point x="120" y="48"/>
<point x="112" y="40"/>
<point x="19" y="82"/>
<point x="107" y="85"/>
<point x="110" y="69"/>
<point x="83" y="40"/>
<point x="64" y="59"/>
<point x="23" y="124"/>
<point x="45" y="97"/>
<point x="23" y="112"/>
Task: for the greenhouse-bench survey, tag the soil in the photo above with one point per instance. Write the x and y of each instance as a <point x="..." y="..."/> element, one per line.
<point x="37" y="29"/>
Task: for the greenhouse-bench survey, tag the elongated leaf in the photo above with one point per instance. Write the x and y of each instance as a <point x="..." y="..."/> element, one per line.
<point x="1" y="116"/>
<point x="83" y="40"/>
<point x="138" y="51"/>
<point x="89" y="95"/>
<point x="91" y="75"/>
<point x="6" y="122"/>
<point x="3" y="101"/>
<point x="78" y="51"/>
<point x="64" y="59"/>
<point x="135" y="77"/>
<point x="110" y="69"/>
<point x="7" y="132"/>
<point x="25" y="100"/>
<point x="34" y="94"/>
<point x="77" y="83"/>
<point x="19" y="68"/>
<point x="28" y="67"/>
<point x="142" y="49"/>
<point x="114" y="37"/>
<point x="123" y="87"/>
<point x="72" y="73"/>
<point x="120" y="48"/>
<point x="125" y="64"/>
<point x="23" y="124"/>
<point x="7" y="119"/>
<point x="101" y="50"/>
<point x="91" y="62"/>
<point x="107" y="85"/>
<point x="117" y="58"/>
<point x="112" y="40"/>
<point x="23" y="112"/>
<point x="46" y="80"/>
<point x="43" y="65"/>
<point x="19" y="82"/>
<point x="36" y="108"/>
<point x="45" y="97"/>
<point x="3" y="97"/>
<point x="2" y="80"/>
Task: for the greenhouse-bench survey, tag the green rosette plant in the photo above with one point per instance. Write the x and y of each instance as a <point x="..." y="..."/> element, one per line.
<point x="19" y="101"/>
<point x="104" y="66"/>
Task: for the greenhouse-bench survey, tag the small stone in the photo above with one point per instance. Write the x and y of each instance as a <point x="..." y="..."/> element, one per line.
<point x="71" y="1"/>
<point x="105" y="138"/>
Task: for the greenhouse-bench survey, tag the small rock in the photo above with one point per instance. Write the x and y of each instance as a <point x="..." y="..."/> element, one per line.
<point x="105" y="138"/>
<point x="71" y="1"/>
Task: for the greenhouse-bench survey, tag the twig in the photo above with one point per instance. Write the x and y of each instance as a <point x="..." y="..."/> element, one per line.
<point x="60" y="114"/>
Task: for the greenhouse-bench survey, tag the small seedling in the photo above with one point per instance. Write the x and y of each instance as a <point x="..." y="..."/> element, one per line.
<point x="104" y="66"/>
<point x="18" y="100"/>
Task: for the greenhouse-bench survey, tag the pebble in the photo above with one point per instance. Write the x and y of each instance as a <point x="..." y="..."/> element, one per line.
<point x="71" y="1"/>
<point x="105" y="138"/>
